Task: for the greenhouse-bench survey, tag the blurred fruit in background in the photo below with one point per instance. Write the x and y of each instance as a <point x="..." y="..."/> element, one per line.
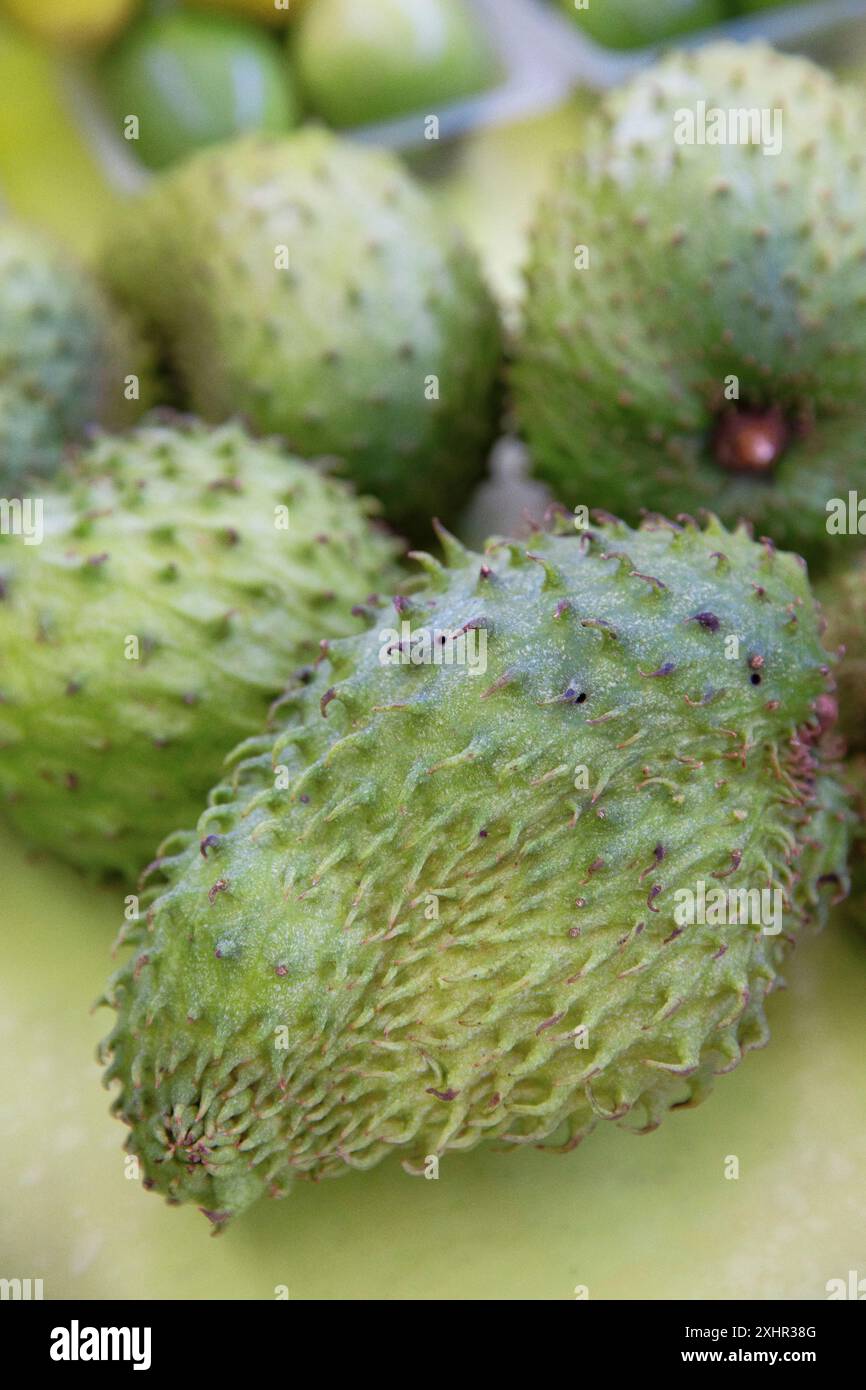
<point x="750" y="6"/>
<point x="306" y="282"/>
<point x="268" y="11"/>
<point x="49" y="172"/>
<point x="195" y="79"/>
<point x="360" y="63"/>
<point x="64" y="355"/>
<point x="77" y="22"/>
<point x="634" y="23"/>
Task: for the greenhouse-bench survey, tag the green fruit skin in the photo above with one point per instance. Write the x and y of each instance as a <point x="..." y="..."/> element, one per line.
<point x="169" y="537"/>
<point x="751" y="6"/>
<point x="706" y="262"/>
<point x="308" y="284"/>
<point x="195" y="80"/>
<point x="65" y="355"/>
<point x="363" y="63"/>
<point x="636" y="23"/>
<point x="409" y="895"/>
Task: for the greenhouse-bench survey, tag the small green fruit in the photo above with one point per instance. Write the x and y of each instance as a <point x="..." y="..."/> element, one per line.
<point x="445" y="897"/>
<point x="163" y="611"/>
<point x="308" y="284"/>
<point x="66" y="359"/>
<point x="386" y="58"/>
<point x="71" y="23"/>
<point x="636" y="23"/>
<point x="194" y="80"/>
<point x="695" y="329"/>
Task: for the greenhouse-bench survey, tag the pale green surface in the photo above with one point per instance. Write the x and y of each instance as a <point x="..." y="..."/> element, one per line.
<point x="48" y="174"/>
<point x="500" y="174"/>
<point x="629" y="1217"/>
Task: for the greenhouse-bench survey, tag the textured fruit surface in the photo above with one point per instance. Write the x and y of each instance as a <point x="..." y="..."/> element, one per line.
<point x="75" y="22"/>
<point x="308" y="285"/>
<point x="843" y="598"/>
<point x="495" y="1226"/>
<point x="194" y="80"/>
<point x="712" y="268"/>
<point x="166" y="606"/>
<point x="65" y="357"/>
<point x="387" y="58"/>
<point x="633" y="23"/>
<point x="430" y="907"/>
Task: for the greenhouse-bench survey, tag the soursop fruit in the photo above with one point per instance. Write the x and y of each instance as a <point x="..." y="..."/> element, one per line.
<point x="182" y="575"/>
<point x="695" y="329"/>
<point x="306" y="283"/>
<point x="843" y="597"/>
<point x="65" y="357"/>
<point x="445" y="896"/>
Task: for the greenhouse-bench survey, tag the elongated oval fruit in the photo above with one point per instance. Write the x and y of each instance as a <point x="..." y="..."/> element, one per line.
<point x="182" y="575"/>
<point x="66" y="358"/>
<point x="695" y="327"/>
<point x="308" y="283"/>
<point x="474" y="880"/>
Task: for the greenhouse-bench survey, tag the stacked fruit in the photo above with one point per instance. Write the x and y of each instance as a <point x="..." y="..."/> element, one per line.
<point x="172" y="79"/>
<point x="444" y="887"/>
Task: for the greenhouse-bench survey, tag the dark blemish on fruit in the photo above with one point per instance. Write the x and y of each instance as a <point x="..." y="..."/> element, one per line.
<point x="707" y="620"/>
<point x="665" y="670"/>
<point x="220" y="886"/>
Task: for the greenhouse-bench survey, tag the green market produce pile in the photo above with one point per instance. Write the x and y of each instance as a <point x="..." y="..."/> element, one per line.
<point x="424" y="849"/>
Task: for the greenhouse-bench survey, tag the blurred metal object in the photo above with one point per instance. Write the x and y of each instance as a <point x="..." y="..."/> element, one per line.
<point x="545" y="55"/>
<point x="797" y="28"/>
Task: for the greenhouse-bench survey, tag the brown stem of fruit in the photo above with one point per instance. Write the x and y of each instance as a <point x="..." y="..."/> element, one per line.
<point x="751" y="441"/>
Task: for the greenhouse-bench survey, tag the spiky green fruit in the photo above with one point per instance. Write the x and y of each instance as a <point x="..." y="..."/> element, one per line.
<point x="66" y="358"/>
<point x="843" y="597"/>
<point x="183" y="575"/>
<point x="696" y="315"/>
<point x="307" y="283"/>
<point x="436" y="903"/>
